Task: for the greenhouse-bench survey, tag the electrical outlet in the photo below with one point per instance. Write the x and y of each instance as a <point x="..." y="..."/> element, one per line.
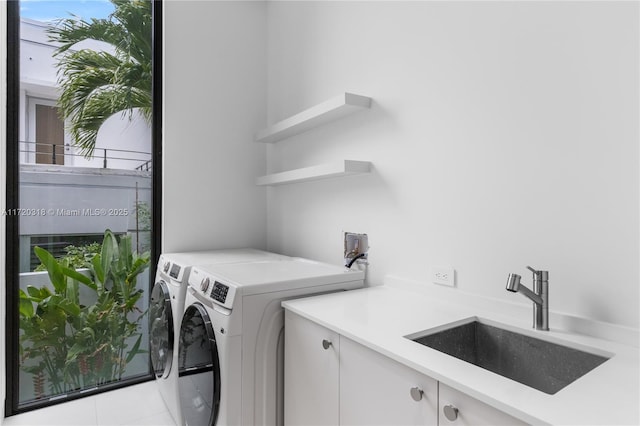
<point x="443" y="276"/>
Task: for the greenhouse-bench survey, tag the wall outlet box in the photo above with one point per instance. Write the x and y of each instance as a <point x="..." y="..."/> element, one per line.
<point x="443" y="275"/>
<point x="354" y="244"/>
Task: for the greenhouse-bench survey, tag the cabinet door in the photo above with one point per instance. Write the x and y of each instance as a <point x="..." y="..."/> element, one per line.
<point x="458" y="409"/>
<point x="311" y="373"/>
<point x="375" y="390"/>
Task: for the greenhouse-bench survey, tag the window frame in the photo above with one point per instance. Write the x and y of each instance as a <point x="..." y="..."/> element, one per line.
<point x="12" y="168"/>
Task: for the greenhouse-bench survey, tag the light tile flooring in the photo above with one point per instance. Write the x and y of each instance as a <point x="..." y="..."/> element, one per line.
<point x="132" y="406"/>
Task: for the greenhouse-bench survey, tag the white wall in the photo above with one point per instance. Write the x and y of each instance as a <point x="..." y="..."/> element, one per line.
<point x="214" y="100"/>
<point x="502" y="134"/>
<point x="127" y="138"/>
<point x="108" y="198"/>
<point x="37" y="65"/>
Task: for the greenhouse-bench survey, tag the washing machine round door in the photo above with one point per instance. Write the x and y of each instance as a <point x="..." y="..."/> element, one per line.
<point x="198" y="368"/>
<point x="161" y="334"/>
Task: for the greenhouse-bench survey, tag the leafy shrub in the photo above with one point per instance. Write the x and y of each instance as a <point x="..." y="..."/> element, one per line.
<point x="69" y="345"/>
<point x="76" y="257"/>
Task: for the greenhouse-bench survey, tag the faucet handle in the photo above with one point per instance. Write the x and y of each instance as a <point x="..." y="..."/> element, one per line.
<point x="543" y="275"/>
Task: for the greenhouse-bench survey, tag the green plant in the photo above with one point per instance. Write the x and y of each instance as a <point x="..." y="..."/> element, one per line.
<point x="143" y="213"/>
<point x="77" y="256"/>
<point x="71" y="343"/>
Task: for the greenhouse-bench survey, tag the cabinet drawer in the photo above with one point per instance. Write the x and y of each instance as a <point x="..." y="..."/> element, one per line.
<point x="376" y="390"/>
<point x="311" y="381"/>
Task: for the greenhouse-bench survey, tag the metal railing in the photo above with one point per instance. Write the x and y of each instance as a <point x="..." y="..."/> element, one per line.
<point x="140" y="160"/>
<point x="145" y="167"/>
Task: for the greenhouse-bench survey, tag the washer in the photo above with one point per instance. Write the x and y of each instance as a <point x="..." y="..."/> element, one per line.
<point x="230" y="357"/>
<point x="167" y="306"/>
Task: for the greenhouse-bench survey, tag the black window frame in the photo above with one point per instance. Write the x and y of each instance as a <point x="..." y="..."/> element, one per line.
<point x="12" y="168"/>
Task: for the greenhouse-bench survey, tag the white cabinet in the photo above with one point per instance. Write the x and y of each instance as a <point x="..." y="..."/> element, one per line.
<point x="311" y="373"/>
<point x="331" y="380"/>
<point x="375" y="390"/>
<point x="459" y="409"/>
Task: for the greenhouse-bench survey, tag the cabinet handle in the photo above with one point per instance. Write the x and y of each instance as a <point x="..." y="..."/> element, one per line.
<point x="326" y="343"/>
<point x="450" y="412"/>
<point x="416" y="393"/>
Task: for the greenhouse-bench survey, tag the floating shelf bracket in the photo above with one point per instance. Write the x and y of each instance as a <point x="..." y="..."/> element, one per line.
<point x="322" y="171"/>
<point x="333" y="109"/>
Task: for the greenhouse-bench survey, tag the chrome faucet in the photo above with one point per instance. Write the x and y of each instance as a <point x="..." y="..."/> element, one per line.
<point x="539" y="295"/>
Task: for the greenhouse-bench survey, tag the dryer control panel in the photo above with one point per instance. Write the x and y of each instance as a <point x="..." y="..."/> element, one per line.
<point x="218" y="292"/>
<point x="175" y="271"/>
<point x="171" y="269"/>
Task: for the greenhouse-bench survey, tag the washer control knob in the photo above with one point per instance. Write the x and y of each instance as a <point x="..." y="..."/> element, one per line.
<point x="450" y="412"/>
<point x="204" y="284"/>
<point x="326" y="343"/>
<point x="416" y="393"/>
<point x="166" y="266"/>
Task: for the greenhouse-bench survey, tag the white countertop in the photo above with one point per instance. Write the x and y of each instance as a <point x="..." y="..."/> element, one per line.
<point x="379" y="317"/>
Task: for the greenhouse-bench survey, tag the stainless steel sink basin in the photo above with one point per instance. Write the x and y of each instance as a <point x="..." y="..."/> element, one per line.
<point x="540" y="364"/>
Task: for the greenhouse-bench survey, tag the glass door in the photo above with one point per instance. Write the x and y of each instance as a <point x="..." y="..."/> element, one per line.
<point x="49" y="135"/>
<point x="83" y="196"/>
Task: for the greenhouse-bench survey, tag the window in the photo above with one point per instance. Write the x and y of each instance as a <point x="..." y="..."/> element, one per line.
<point x="83" y="198"/>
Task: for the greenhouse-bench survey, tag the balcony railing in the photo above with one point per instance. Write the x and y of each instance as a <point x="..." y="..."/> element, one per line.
<point x="145" y="167"/>
<point x="46" y="153"/>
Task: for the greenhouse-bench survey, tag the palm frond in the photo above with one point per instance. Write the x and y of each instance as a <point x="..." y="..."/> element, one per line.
<point x="97" y="84"/>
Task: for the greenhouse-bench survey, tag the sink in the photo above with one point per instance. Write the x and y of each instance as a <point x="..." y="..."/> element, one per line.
<point x="540" y="364"/>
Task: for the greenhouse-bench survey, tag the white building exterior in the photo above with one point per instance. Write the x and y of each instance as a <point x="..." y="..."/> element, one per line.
<point x="74" y="199"/>
<point x="127" y="140"/>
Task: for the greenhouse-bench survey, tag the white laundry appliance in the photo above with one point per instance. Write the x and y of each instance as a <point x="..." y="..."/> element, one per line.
<point x="230" y="359"/>
<point x="167" y="305"/>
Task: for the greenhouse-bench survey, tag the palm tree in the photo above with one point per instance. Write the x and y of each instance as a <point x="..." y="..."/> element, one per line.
<point x="98" y="84"/>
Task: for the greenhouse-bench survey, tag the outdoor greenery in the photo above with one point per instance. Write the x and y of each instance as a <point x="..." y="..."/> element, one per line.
<point x="143" y="226"/>
<point x="98" y="84"/>
<point x="143" y="213"/>
<point x="75" y="256"/>
<point x="70" y="340"/>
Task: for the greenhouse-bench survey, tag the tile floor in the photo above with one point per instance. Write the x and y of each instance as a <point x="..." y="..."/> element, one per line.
<point x="138" y="405"/>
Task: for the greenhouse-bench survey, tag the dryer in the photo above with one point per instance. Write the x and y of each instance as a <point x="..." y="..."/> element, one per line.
<point x="230" y="359"/>
<point x="167" y="305"/>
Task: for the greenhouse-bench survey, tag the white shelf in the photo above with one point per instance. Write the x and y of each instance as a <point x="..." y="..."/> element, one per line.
<point x="322" y="171"/>
<point x="333" y="109"/>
